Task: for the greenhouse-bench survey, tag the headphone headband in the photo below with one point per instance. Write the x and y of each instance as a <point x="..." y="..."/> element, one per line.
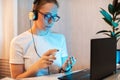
<point x="35" y="2"/>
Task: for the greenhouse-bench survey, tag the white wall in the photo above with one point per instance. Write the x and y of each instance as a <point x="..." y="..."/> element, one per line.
<point x="24" y="6"/>
<point x="1" y="40"/>
<point x="80" y="20"/>
<point x="7" y="25"/>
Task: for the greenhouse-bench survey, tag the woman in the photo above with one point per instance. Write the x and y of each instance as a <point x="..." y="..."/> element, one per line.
<point x="39" y="51"/>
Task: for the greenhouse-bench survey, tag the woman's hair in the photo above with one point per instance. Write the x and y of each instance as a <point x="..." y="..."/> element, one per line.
<point x="37" y="4"/>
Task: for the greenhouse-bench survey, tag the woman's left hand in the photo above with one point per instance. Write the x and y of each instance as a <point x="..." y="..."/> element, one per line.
<point x="67" y="66"/>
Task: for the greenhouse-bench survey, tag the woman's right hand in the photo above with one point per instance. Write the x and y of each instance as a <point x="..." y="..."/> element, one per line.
<point x="46" y="59"/>
<point x="43" y="62"/>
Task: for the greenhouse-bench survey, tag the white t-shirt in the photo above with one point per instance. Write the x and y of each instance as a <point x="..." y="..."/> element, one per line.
<point x="22" y="49"/>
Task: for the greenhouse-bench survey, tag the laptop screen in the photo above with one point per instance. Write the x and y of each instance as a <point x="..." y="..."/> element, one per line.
<point x="103" y="58"/>
<point x="102" y="63"/>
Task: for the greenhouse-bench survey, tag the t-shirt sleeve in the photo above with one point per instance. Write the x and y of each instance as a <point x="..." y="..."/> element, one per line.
<point x="16" y="53"/>
<point x="64" y="48"/>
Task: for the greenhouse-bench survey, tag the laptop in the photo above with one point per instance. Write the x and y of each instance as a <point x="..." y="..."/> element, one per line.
<point x="102" y="61"/>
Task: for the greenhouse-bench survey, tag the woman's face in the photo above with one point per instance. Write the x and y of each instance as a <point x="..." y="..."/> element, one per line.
<point x="46" y="16"/>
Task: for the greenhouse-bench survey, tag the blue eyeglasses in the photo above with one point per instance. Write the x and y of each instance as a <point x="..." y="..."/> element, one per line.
<point x="49" y="16"/>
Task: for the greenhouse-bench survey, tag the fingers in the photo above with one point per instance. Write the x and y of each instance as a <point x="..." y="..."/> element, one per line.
<point x="48" y="59"/>
<point x="65" y="64"/>
<point x="70" y="61"/>
<point x="48" y="62"/>
<point x="51" y="52"/>
<point x="52" y="57"/>
<point x="73" y="60"/>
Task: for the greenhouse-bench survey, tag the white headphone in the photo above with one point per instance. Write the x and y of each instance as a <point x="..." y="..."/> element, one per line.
<point x="33" y="15"/>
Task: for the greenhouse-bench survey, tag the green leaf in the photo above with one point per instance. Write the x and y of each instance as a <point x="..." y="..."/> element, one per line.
<point x="117" y="8"/>
<point x="117" y="34"/>
<point x="106" y="15"/>
<point x="118" y="39"/>
<point x="102" y="31"/>
<point x="107" y="34"/>
<point x="117" y="18"/>
<point x="116" y="29"/>
<point x="115" y="2"/>
<point x="118" y="12"/>
<point x="112" y="34"/>
<point x="115" y="24"/>
<point x="107" y="21"/>
<point x="118" y="21"/>
<point x="111" y="9"/>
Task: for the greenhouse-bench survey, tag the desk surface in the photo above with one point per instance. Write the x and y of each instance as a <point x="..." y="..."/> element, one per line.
<point x="55" y="76"/>
<point x="114" y="76"/>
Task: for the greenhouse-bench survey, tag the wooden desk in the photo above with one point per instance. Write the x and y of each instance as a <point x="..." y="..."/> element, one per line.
<point x="55" y="76"/>
<point x="114" y="76"/>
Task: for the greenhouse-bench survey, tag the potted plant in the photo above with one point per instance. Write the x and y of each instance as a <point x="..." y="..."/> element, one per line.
<point x="112" y="17"/>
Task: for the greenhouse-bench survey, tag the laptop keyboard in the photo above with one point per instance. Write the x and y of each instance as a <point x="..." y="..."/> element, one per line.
<point x="80" y="75"/>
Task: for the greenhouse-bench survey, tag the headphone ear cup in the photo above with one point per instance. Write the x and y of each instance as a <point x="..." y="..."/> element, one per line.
<point x="33" y="15"/>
